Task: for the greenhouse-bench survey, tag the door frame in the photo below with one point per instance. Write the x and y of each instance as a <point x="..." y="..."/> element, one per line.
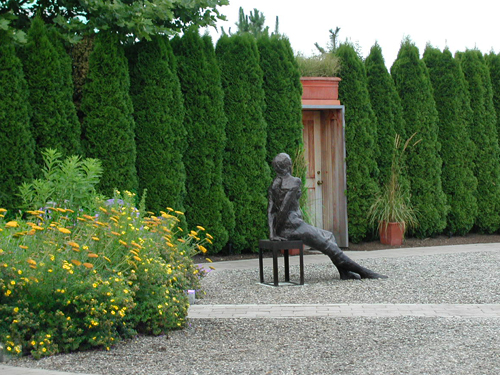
<point x="334" y="170"/>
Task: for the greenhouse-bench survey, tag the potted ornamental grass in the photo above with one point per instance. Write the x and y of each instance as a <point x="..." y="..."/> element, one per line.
<point x="392" y="209"/>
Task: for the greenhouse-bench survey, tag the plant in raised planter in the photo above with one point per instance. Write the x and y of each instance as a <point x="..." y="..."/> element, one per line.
<point x="392" y="208"/>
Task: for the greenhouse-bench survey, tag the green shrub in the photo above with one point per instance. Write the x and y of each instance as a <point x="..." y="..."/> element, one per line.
<point x="48" y="98"/>
<point x="16" y="140"/>
<point x="323" y="65"/>
<point x="424" y="163"/>
<point x="108" y="125"/>
<point x="283" y="96"/>
<point x="457" y="151"/>
<point x="361" y="143"/>
<point x="246" y="173"/>
<point x="160" y="133"/>
<point x="389" y="113"/>
<point x="70" y="285"/>
<point x="205" y="121"/>
<point x="493" y="63"/>
<point x="483" y="133"/>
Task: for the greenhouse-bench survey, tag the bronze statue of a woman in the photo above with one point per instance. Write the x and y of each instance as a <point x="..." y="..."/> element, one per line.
<point x="285" y="222"/>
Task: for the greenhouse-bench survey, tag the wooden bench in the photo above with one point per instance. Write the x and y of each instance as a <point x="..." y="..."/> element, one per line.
<point x="275" y="247"/>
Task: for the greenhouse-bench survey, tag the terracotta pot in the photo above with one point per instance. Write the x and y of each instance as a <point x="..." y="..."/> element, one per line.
<point x="320" y="90"/>
<point x="392" y="233"/>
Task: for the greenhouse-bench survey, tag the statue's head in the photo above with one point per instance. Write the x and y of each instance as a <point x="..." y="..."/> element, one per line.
<point x="282" y="164"/>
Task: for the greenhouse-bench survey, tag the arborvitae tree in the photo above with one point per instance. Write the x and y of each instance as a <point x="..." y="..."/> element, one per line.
<point x="17" y="145"/>
<point x="205" y="123"/>
<point x="160" y="134"/>
<point x="283" y="96"/>
<point x="457" y="149"/>
<point x="47" y="94"/>
<point x="387" y="107"/>
<point x="361" y="142"/>
<point x="246" y="174"/>
<point x="108" y="127"/>
<point x="484" y="134"/>
<point x="424" y="163"/>
<point x="493" y="62"/>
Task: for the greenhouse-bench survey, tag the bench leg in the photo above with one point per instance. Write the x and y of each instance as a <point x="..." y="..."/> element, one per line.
<point x="287" y="264"/>
<point x="301" y="261"/>
<point x="275" y="267"/>
<point x="261" y="266"/>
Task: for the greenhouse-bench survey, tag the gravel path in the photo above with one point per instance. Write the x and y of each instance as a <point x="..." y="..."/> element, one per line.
<point x="357" y="345"/>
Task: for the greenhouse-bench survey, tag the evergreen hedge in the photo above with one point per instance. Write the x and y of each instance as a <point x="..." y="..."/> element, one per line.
<point x="457" y="149"/>
<point x="484" y="134"/>
<point x="16" y="140"/>
<point x="493" y="63"/>
<point x="54" y="126"/>
<point x="160" y="134"/>
<point x="200" y="77"/>
<point x="108" y="126"/>
<point x="424" y="163"/>
<point x="386" y="105"/>
<point x="246" y="173"/>
<point x="361" y="142"/>
<point x="283" y="96"/>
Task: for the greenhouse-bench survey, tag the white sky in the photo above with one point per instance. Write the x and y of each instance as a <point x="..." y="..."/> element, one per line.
<point x="457" y="24"/>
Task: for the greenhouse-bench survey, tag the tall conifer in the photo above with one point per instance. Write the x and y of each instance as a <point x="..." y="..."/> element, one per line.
<point x="246" y="174"/>
<point x="361" y="142"/>
<point x="16" y="140"/>
<point x="205" y="121"/>
<point x="108" y="127"/>
<point x="493" y="62"/>
<point x="424" y="163"/>
<point x="283" y="95"/>
<point x="159" y="118"/>
<point x="49" y="103"/>
<point x="386" y="105"/>
<point x="484" y="134"/>
<point x="457" y="149"/>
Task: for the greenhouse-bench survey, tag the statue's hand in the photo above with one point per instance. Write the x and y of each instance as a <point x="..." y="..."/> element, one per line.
<point x="278" y="238"/>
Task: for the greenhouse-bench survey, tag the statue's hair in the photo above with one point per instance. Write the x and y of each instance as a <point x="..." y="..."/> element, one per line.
<point x="282" y="163"/>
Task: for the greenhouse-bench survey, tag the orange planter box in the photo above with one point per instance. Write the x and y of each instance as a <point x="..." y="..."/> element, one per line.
<point x="320" y="90"/>
<point x="392" y="234"/>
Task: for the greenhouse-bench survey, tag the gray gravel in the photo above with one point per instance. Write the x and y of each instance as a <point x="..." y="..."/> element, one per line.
<point x="358" y="345"/>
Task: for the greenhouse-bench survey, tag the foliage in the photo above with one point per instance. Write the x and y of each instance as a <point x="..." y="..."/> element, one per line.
<point x="493" y="63"/>
<point x="16" y="140"/>
<point x="424" y="166"/>
<point x="133" y="19"/>
<point x="65" y="183"/>
<point x="393" y="204"/>
<point x="247" y="174"/>
<point x="389" y="114"/>
<point x="48" y="97"/>
<point x="333" y="43"/>
<point x="457" y="152"/>
<point x="361" y="142"/>
<point x="484" y="134"/>
<point x="108" y="126"/>
<point x="283" y="96"/>
<point x="325" y="65"/>
<point x="206" y="202"/>
<point x="252" y="23"/>
<point x="73" y="285"/>
<point x="159" y="117"/>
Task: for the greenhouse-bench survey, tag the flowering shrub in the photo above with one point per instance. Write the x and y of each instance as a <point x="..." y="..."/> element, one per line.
<point x="71" y="281"/>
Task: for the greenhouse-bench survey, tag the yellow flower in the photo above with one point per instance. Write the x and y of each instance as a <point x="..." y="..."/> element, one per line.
<point x="95" y="238"/>
<point x="76" y="262"/>
<point x="33" y="343"/>
<point x="103" y="210"/>
<point x="208" y="260"/>
<point x="12" y="282"/>
<point x="93" y="255"/>
<point x="200" y="228"/>
<point x="31" y="261"/>
<point x="88" y="217"/>
<point x="88" y="265"/>
<point x="137" y="258"/>
<point x="122" y="242"/>
<point x="73" y="244"/>
<point x="64" y="230"/>
<point x="23" y="247"/>
<point x="202" y="249"/>
<point x="3" y="210"/>
<point x="16" y="309"/>
<point x="12" y="224"/>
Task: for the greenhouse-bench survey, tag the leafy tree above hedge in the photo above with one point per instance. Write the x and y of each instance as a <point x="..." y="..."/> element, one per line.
<point x="108" y="127"/>
<point x="452" y="102"/>
<point x="424" y="163"/>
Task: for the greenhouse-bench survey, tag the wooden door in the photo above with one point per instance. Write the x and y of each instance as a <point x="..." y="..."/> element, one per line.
<point x="312" y="144"/>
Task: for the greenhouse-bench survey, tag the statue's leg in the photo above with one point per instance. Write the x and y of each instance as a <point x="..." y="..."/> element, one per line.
<point x="324" y="241"/>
